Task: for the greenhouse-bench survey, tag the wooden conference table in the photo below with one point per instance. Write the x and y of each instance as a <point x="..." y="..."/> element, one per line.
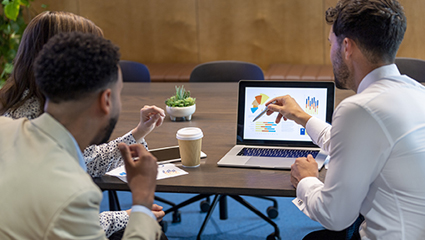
<point x="216" y="115"/>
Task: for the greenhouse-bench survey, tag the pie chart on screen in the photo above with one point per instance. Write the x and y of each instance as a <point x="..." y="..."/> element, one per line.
<point x="259" y="100"/>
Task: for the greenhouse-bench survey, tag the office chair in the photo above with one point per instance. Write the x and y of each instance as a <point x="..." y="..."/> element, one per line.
<point x="226" y="71"/>
<point x="412" y="67"/>
<point x="134" y="71"/>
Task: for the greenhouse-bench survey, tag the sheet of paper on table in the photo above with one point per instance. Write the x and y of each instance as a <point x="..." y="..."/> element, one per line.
<point x="164" y="171"/>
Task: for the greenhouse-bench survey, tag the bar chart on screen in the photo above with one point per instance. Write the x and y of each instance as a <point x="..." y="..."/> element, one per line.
<point x="265" y="127"/>
<point x="311" y="105"/>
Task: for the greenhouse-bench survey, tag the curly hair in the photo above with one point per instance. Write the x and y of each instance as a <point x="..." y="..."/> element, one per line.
<point x="377" y="26"/>
<point x="72" y="65"/>
<point x="41" y="28"/>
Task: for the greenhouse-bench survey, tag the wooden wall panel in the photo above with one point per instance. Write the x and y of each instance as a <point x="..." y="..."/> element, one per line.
<point x="413" y="42"/>
<point x="327" y="28"/>
<point x="148" y="30"/>
<point x="55" y="5"/>
<point x="261" y="31"/>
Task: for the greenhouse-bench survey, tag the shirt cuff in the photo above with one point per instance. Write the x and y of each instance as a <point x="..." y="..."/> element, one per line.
<point x="141" y="141"/>
<point x="133" y="140"/>
<point x="314" y="127"/>
<point x="143" y="209"/>
<point x="306" y="185"/>
<point x="131" y="137"/>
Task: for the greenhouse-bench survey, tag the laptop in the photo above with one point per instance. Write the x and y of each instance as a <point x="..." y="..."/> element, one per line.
<point x="263" y="143"/>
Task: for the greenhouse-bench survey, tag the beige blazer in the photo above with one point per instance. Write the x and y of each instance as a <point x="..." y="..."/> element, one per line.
<point x="44" y="193"/>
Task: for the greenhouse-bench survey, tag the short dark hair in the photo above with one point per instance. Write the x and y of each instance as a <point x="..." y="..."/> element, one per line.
<point x="71" y="65"/>
<point x="377" y="26"/>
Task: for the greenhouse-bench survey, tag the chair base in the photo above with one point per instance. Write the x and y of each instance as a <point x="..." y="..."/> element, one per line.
<point x="223" y="211"/>
<point x="114" y="205"/>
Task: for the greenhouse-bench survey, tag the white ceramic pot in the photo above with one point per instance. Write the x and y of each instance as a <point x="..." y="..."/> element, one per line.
<point x="181" y="112"/>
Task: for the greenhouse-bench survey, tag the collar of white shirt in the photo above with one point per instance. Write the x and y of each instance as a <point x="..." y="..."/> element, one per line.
<point x="378" y="74"/>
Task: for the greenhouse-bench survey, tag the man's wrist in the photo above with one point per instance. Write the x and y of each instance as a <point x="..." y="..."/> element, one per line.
<point x="137" y="134"/>
<point x="303" y="119"/>
<point x="142" y="199"/>
<point x="142" y="203"/>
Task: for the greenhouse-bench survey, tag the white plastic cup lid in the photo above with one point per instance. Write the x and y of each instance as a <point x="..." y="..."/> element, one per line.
<point x="189" y="133"/>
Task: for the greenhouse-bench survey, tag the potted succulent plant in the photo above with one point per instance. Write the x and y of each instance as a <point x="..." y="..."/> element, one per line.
<point x="181" y="105"/>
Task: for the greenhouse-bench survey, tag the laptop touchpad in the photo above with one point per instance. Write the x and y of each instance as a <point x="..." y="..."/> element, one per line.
<point x="270" y="162"/>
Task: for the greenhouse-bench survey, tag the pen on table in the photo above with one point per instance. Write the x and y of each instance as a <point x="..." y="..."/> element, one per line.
<point x="262" y="113"/>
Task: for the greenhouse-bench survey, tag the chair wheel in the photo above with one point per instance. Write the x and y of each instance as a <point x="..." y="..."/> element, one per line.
<point x="205" y="205"/>
<point x="272" y="212"/>
<point x="273" y="237"/>
<point x="164" y="226"/>
<point x="177" y="217"/>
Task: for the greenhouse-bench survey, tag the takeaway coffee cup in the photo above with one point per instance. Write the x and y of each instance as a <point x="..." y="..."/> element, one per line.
<point x="190" y="142"/>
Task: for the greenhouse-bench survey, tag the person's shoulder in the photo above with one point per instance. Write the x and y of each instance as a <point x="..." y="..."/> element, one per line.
<point x="5" y="119"/>
<point x="355" y="101"/>
<point x="374" y="92"/>
<point x="8" y="124"/>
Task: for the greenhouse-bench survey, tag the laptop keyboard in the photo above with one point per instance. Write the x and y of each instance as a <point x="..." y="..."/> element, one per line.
<point x="273" y="152"/>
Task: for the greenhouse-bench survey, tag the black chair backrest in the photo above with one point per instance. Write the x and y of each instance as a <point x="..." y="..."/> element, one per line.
<point x="134" y="71"/>
<point x="412" y="67"/>
<point x="226" y="71"/>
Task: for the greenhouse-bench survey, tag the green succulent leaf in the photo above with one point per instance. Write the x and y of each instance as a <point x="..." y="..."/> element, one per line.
<point x="180" y="99"/>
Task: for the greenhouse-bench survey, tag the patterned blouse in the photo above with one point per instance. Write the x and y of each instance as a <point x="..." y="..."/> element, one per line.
<point x="99" y="159"/>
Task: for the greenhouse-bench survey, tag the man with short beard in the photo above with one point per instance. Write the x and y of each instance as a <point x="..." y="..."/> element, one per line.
<point x="377" y="139"/>
<point x="45" y="190"/>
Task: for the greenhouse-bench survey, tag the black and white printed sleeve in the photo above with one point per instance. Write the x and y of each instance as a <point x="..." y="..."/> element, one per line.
<point x="112" y="222"/>
<point x="105" y="157"/>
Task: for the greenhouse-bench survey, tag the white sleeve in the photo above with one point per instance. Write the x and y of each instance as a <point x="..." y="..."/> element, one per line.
<point x="360" y="148"/>
<point x="320" y="132"/>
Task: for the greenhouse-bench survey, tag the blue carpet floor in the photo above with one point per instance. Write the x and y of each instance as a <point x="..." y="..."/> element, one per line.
<point x="241" y="223"/>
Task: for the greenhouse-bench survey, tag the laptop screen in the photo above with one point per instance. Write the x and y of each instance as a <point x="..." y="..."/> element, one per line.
<point x="316" y="98"/>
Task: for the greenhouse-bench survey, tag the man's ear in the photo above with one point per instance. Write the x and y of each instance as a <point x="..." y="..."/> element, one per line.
<point x="105" y="101"/>
<point x="348" y="46"/>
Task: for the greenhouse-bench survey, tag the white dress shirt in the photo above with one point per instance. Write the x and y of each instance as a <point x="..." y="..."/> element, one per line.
<point x="377" y="166"/>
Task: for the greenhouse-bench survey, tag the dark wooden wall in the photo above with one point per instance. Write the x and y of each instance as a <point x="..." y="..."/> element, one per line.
<point x="195" y="31"/>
